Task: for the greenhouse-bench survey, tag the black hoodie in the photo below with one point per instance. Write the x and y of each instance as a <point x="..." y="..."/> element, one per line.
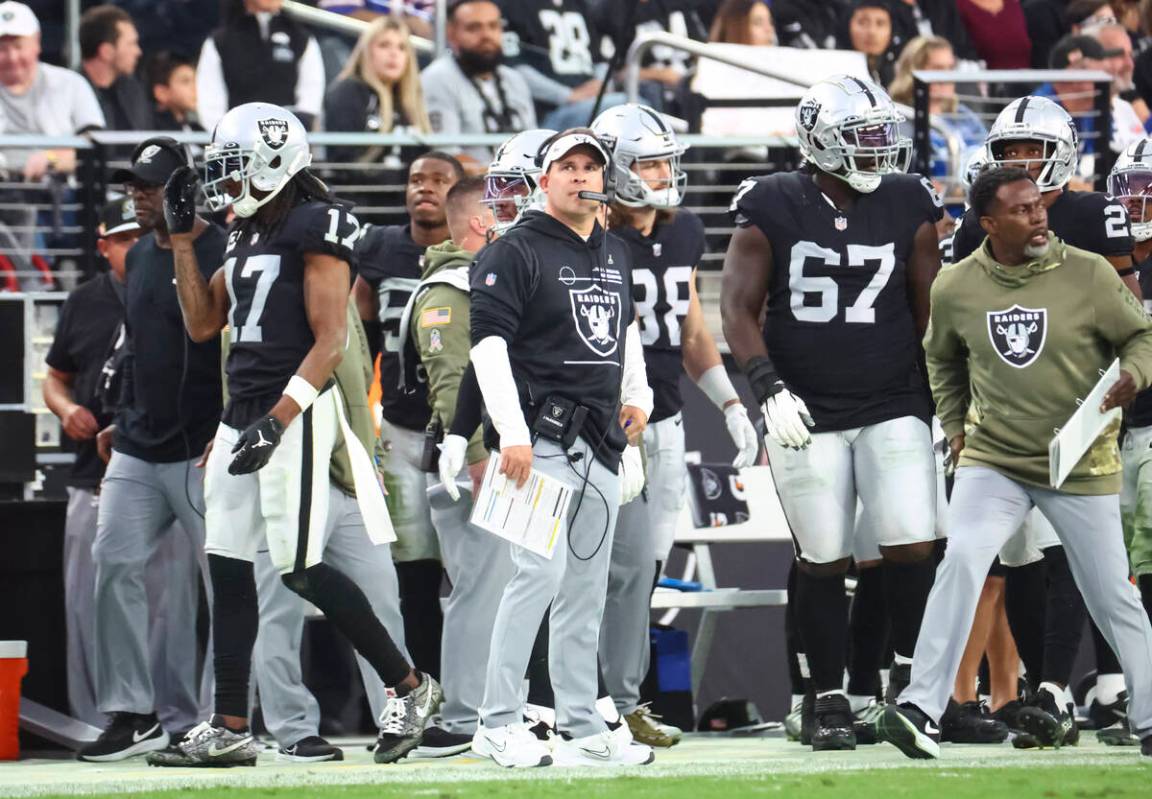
<point x="563" y="305"/>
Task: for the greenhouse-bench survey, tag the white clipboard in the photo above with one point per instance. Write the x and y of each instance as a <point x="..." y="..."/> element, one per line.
<point x="1080" y="432"/>
<point x="533" y="516"/>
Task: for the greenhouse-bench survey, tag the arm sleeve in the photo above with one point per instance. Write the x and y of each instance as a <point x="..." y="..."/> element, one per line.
<point x="1123" y="322"/>
<point x="947" y="359"/>
<point x="501" y="398"/>
<point x="310" y="79"/>
<point x="634" y="388"/>
<point x="443" y="348"/>
<point x="86" y="112"/>
<point x="211" y="91"/>
<point x="466" y="422"/>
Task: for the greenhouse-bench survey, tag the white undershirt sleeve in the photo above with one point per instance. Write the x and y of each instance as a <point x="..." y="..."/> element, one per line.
<point x="501" y="399"/>
<point x="634" y="388"/>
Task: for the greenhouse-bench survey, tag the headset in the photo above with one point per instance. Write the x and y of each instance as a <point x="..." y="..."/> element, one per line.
<point x="608" y="196"/>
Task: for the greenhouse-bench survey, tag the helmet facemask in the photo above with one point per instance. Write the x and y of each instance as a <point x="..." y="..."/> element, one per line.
<point x="509" y="195"/>
<point x="634" y="191"/>
<point x="229" y="165"/>
<point x="871" y="149"/>
<point x="1058" y="163"/>
<point x="1132" y="187"/>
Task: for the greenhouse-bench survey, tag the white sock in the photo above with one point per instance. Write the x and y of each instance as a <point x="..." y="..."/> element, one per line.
<point x="542" y="713"/>
<point x="797" y="701"/>
<point x="1056" y="691"/>
<point x="900" y="660"/>
<point x="1108" y="687"/>
<point x="860" y="701"/>
<point x="823" y="694"/>
<point x="608" y="709"/>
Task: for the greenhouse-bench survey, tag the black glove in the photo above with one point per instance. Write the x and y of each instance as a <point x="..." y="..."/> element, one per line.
<point x="180" y="200"/>
<point x="255" y="446"/>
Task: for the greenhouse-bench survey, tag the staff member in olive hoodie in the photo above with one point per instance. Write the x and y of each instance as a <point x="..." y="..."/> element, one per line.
<point x="1019" y="330"/>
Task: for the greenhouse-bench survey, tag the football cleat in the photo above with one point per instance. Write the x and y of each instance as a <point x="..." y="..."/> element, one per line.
<point x="807" y="718"/>
<point x="834" y="725"/>
<point x="910" y="730"/>
<point x="970" y="723"/>
<point x="1101" y="716"/>
<point x="1119" y="735"/>
<point x="1045" y="724"/>
<point x="864" y="724"/>
<point x="210" y="745"/>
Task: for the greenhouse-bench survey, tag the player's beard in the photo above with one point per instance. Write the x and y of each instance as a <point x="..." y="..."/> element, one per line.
<point x="1036" y="250"/>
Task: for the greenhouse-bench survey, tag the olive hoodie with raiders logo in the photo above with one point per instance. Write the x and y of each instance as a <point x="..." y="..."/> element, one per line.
<point x="563" y="305"/>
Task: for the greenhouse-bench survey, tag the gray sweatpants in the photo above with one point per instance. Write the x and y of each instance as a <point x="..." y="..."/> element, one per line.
<point x="140" y="544"/>
<point x="574" y="581"/>
<point x="986" y="509"/>
<point x="290" y="711"/>
<point x="479" y="566"/>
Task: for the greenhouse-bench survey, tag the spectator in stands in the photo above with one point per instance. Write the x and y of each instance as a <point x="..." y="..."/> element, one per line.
<point x="77" y="392"/>
<point x="912" y="18"/>
<point x="1133" y="15"/>
<point x="808" y="24"/>
<point x="378" y="91"/>
<point x="110" y="48"/>
<point x="259" y="54"/>
<point x="867" y="28"/>
<point x="172" y="78"/>
<point x="470" y="89"/>
<point x="998" y="31"/>
<point x="960" y="123"/>
<point x="180" y="26"/>
<point x="743" y="22"/>
<point x="1081" y="16"/>
<point x="39" y="98"/>
<point x="1120" y="65"/>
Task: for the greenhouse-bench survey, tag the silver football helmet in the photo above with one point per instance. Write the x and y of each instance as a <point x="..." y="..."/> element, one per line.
<point x="254" y="146"/>
<point x="512" y="182"/>
<point x="1130" y="182"/>
<point x="975" y="163"/>
<point x="850" y="128"/>
<point x="1042" y="120"/>
<point x="637" y="133"/>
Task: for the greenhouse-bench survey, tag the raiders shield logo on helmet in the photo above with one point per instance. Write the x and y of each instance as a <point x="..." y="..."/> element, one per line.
<point x="809" y="110"/>
<point x="597" y="316"/>
<point x="274" y="132"/>
<point x="1018" y="334"/>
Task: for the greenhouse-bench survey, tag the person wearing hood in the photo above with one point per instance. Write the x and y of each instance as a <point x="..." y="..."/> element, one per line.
<point x="1019" y="330"/>
<point x="553" y="328"/>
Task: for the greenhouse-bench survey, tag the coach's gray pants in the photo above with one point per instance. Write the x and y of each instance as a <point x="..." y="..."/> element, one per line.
<point x="79" y="611"/>
<point x="136" y="536"/>
<point x="479" y="566"/>
<point x="290" y="711"/>
<point x="575" y="581"/>
<point x="986" y="509"/>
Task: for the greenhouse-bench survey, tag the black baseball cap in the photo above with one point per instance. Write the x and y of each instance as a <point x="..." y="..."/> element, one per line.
<point x="1083" y="46"/>
<point x="118" y="216"/>
<point x="153" y="162"/>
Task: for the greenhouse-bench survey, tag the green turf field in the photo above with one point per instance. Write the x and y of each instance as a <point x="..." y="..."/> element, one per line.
<point x="702" y="766"/>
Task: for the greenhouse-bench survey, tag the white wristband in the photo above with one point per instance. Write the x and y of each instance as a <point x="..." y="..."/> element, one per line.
<point x="301" y="392"/>
<point x="718" y="386"/>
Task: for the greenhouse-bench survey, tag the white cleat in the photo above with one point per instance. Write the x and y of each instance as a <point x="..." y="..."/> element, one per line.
<point x="603" y="750"/>
<point x="511" y="746"/>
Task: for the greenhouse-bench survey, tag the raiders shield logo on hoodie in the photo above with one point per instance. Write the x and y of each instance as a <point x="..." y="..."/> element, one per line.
<point x="1018" y="334"/>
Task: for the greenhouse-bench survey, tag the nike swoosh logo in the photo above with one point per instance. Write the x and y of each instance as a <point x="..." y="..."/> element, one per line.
<point x="137" y="737"/>
<point x="214" y="752"/>
<point x="494" y="746"/>
<point x="603" y="754"/>
<point x="928" y="728"/>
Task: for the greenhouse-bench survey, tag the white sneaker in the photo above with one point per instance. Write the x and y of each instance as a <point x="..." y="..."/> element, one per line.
<point x="616" y="723"/>
<point x="603" y="750"/>
<point x="511" y="746"/>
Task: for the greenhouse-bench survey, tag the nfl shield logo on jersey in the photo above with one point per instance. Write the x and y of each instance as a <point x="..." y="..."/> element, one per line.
<point x="1018" y="334"/>
<point x="274" y="132"/>
<point x="597" y="316"/>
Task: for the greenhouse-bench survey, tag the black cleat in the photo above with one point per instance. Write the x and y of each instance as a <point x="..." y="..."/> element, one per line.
<point x="1119" y="735"/>
<point x="864" y="724"/>
<point x="312" y="749"/>
<point x="1146" y="746"/>
<point x="1101" y="716"/>
<point x="833" y="725"/>
<point x="1009" y="714"/>
<point x="807" y="718"/>
<point x="911" y="731"/>
<point x="899" y="677"/>
<point x="970" y="723"/>
<point x="1046" y="724"/>
<point x="127" y="735"/>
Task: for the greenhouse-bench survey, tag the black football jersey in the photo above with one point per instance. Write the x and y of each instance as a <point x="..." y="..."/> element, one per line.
<point x="556" y="37"/>
<point x="662" y="265"/>
<point x="839" y="326"/>
<point x="264" y="274"/>
<point x="1139" y="414"/>
<point x="1089" y="220"/>
<point x="391" y="263"/>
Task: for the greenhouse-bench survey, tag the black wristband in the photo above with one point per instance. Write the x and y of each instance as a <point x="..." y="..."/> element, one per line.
<point x="374" y="330"/>
<point x="761" y="373"/>
<point x="1128" y="270"/>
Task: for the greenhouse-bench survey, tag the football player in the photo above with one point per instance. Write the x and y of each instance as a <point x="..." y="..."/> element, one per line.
<point x="283" y="290"/>
<point x="1037" y="135"/>
<point x="390" y="262"/>
<point x="846" y="280"/>
<point x="666" y="243"/>
<point x="512" y="182"/>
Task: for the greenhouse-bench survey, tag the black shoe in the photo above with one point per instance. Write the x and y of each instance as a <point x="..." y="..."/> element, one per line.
<point x="970" y="723"/>
<point x="833" y="725"/>
<point x="127" y="735"/>
<point x="441" y="743"/>
<point x="1119" y="735"/>
<point x="1146" y="746"/>
<point x="312" y="749"/>
<point x="1045" y="723"/>
<point x="864" y="724"/>
<point x="1009" y="714"/>
<point x="807" y="718"/>
<point x="1101" y="716"/>
<point x="899" y="677"/>
<point x="910" y="730"/>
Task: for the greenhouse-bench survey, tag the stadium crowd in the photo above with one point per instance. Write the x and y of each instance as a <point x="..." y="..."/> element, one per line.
<point x="448" y="313"/>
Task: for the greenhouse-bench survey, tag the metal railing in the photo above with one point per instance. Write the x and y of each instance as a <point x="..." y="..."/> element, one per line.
<point x="351" y="26"/>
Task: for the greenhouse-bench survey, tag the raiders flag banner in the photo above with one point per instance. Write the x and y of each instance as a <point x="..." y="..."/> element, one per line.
<point x="717" y="495"/>
<point x="1081" y="431"/>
